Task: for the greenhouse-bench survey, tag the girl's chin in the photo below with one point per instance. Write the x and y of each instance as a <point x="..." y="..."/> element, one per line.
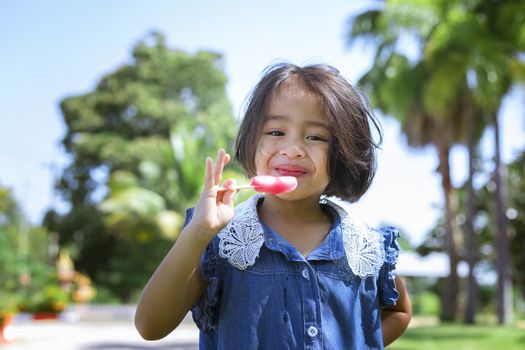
<point x="296" y="195"/>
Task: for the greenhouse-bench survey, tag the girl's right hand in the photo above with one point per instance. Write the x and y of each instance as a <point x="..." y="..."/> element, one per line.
<point x="215" y="209"/>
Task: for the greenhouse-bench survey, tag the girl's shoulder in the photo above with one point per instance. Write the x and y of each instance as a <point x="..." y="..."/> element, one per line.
<point x="366" y="248"/>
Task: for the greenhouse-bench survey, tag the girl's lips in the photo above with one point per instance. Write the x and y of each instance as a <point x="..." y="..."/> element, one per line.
<point x="295" y="171"/>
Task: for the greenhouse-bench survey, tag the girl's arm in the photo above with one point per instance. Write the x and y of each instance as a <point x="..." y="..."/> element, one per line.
<point x="395" y="318"/>
<point x="177" y="284"/>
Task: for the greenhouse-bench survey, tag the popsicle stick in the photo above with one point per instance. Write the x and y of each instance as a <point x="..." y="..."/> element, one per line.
<point x="238" y="187"/>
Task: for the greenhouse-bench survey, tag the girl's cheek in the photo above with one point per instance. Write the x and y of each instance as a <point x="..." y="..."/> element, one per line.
<point x="267" y="144"/>
<point x="258" y="158"/>
<point x="262" y="157"/>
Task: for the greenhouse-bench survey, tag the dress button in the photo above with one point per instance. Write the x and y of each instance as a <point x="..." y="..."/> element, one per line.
<point x="305" y="273"/>
<point x="312" y="332"/>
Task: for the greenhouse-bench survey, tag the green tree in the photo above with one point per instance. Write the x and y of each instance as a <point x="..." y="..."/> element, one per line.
<point x="496" y="58"/>
<point x="484" y="223"/>
<point x="516" y="214"/>
<point x="411" y="90"/>
<point x="443" y="98"/>
<point x="24" y="254"/>
<point x="137" y="144"/>
<point x="484" y="39"/>
<point x="11" y="262"/>
<point x="448" y="49"/>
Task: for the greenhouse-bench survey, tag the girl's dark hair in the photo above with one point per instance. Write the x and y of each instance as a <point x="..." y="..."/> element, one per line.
<point x="352" y="155"/>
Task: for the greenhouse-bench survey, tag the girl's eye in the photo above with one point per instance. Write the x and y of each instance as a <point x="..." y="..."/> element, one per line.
<point x="275" y="133"/>
<point x="316" y="138"/>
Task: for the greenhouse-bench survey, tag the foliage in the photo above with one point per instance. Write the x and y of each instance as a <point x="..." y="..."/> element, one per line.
<point x="429" y="304"/>
<point x="10" y="224"/>
<point x="130" y="208"/>
<point x="23" y="255"/>
<point x="404" y="87"/>
<point x="424" y="296"/>
<point x="138" y="143"/>
<point x="515" y="188"/>
<point x="51" y="299"/>
<point x="516" y="215"/>
<point x="8" y="305"/>
<point x="105" y="296"/>
<point x="42" y="292"/>
<point x="484" y="226"/>
<point x="466" y="55"/>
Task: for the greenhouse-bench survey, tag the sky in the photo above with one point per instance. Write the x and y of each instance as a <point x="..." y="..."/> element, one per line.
<point x="58" y="48"/>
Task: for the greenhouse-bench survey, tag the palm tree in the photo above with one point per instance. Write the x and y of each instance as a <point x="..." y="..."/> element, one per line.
<point x="432" y="100"/>
<point x="447" y="49"/>
<point x="131" y="207"/>
<point x="495" y="37"/>
<point x="397" y="88"/>
<point x="456" y="42"/>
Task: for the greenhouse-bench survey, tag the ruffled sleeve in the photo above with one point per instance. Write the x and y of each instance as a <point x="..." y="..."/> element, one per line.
<point x="204" y="311"/>
<point x="387" y="286"/>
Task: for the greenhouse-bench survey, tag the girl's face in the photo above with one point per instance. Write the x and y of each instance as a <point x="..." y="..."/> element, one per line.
<point x="295" y="141"/>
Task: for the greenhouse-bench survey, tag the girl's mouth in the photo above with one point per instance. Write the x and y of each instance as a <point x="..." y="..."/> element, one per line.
<point x="294" y="171"/>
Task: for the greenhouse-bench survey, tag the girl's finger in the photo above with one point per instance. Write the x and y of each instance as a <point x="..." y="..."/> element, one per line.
<point x="209" y="178"/>
<point x="222" y="159"/>
<point x="216" y="168"/>
<point x="229" y="195"/>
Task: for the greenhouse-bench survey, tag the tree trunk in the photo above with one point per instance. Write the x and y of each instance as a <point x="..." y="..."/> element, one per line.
<point x="449" y="295"/>
<point x="504" y="288"/>
<point x="470" y="309"/>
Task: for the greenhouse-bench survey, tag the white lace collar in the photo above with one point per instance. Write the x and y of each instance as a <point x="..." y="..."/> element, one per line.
<point x="241" y="240"/>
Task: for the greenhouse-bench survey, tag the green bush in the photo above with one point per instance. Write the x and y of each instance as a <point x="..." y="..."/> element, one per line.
<point x="430" y="304"/>
<point x="50" y="299"/>
<point x="105" y="296"/>
<point x="8" y="305"/>
<point x="43" y="293"/>
<point x="460" y="337"/>
<point x="423" y="296"/>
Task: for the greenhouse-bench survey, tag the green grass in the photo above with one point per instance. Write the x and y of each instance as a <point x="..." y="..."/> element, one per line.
<point x="461" y="337"/>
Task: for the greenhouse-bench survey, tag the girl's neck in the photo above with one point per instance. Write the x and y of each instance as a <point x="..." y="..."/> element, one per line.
<point x="307" y="209"/>
<point x="303" y="223"/>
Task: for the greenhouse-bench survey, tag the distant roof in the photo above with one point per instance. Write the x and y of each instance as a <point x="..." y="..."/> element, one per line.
<point x="411" y="264"/>
<point x="436" y="265"/>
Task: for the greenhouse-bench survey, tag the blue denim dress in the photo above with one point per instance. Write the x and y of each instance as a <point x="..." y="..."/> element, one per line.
<point x="263" y="294"/>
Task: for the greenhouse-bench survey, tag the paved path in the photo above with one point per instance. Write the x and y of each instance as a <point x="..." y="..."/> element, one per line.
<point x="94" y="335"/>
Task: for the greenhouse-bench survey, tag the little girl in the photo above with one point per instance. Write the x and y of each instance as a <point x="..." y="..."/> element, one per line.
<point x="293" y="270"/>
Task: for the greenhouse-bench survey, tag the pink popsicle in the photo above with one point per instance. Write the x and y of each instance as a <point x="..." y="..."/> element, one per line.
<point x="269" y="184"/>
<point x="273" y="184"/>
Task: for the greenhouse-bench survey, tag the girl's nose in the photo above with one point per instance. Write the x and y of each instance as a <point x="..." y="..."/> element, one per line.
<point x="293" y="149"/>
